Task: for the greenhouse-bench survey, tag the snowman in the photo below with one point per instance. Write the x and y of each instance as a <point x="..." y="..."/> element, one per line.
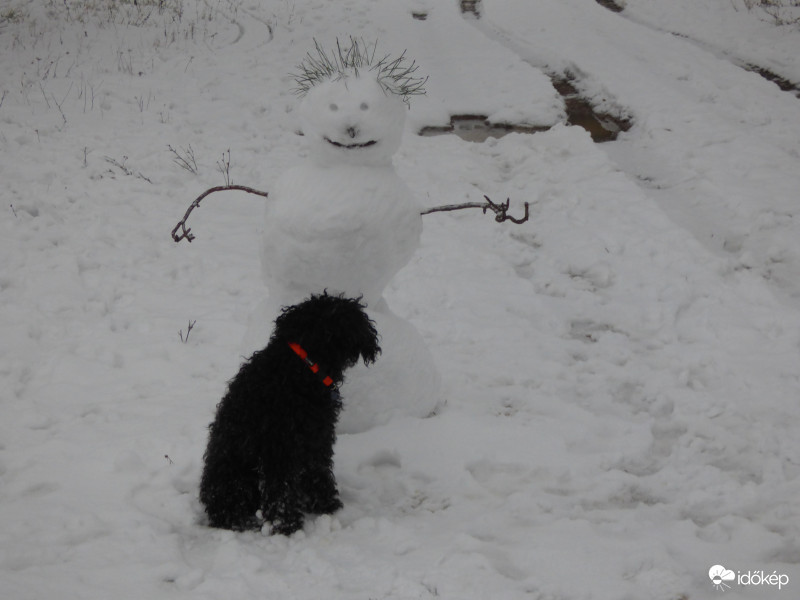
<point x="343" y="221"/>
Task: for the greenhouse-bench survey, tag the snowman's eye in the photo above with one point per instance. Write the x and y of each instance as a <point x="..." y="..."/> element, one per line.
<point x="333" y="107"/>
<point x="364" y="106"/>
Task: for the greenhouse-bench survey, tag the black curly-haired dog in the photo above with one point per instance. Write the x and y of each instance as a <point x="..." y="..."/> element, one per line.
<point x="270" y="448"/>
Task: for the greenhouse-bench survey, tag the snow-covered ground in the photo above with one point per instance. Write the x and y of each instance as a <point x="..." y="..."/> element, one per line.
<point x="621" y="373"/>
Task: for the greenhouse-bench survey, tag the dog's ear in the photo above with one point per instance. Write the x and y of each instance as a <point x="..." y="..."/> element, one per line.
<point x="359" y="333"/>
<point x="370" y="355"/>
<point x="370" y="348"/>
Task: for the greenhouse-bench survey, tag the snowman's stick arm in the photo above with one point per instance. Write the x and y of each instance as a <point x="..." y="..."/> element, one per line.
<point x="452" y="207"/>
<point x="186" y="233"/>
<point x="500" y="210"/>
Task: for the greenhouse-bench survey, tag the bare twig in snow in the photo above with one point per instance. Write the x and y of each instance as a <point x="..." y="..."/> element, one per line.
<point x="185" y="339"/>
<point x="185" y="158"/>
<point x="186" y="233"/>
<point x="46" y="101"/>
<point x="224" y="166"/>
<point x="121" y="166"/>
<point x="59" y="104"/>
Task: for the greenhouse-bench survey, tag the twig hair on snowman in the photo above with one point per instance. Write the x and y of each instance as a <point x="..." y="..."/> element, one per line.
<point x="354" y="102"/>
<point x="395" y="75"/>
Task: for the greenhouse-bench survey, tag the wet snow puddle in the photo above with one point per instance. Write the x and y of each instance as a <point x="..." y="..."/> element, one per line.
<point x="477" y="128"/>
<point x="603" y="127"/>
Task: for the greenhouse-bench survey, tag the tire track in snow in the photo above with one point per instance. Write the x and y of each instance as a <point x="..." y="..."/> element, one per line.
<point x="782" y="82"/>
<point x="604" y="120"/>
<point x="233" y="19"/>
<point x="674" y="156"/>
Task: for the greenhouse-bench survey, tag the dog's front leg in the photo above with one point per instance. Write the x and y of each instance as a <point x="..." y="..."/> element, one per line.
<point x="320" y="493"/>
<point x="282" y="509"/>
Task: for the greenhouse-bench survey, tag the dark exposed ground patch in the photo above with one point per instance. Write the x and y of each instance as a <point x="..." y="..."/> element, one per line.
<point x="472" y="7"/>
<point x="602" y="126"/>
<point x="781" y="82"/>
<point x="611" y="5"/>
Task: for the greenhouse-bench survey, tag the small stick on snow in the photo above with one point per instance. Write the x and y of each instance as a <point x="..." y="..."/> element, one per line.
<point x="186" y="233"/>
<point x="500" y="210"/>
<point x="188" y="331"/>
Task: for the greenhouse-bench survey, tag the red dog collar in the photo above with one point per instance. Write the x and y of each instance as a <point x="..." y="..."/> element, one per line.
<point x="298" y="349"/>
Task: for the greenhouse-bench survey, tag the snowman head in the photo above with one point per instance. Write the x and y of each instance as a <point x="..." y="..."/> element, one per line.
<point x="352" y="121"/>
<point x="354" y="106"/>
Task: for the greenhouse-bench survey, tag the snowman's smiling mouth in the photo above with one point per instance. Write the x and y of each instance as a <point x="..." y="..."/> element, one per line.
<point x="351" y="146"/>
